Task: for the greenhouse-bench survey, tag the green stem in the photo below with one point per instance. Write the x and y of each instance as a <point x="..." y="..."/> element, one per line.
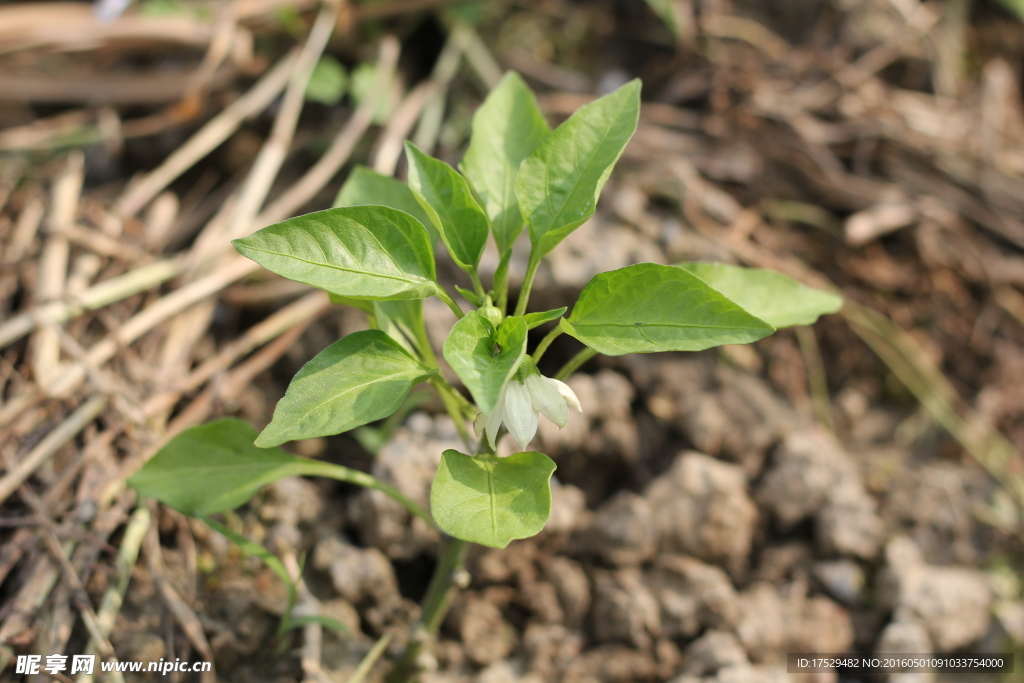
<point x="478" y="286"/>
<point x="454" y="403"/>
<point x="447" y="298"/>
<point x="459" y="409"/>
<point x="426" y="351"/>
<point x="501" y="283"/>
<point x="524" y="292"/>
<point x="545" y="343"/>
<point x="466" y="408"/>
<point x="574" y="363"/>
<point x="370" y="659"/>
<point x="443" y="586"/>
<point x="319" y="468"/>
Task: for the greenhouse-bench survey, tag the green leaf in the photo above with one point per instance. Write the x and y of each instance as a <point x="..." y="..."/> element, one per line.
<point x="365" y="186"/>
<point x="364" y="252"/>
<point x="372" y="439"/>
<point x="469" y="295"/>
<point x="447" y="199"/>
<point x="506" y="128"/>
<point x="215" y="467"/>
<point x="559" y="183"/>
<point x="211" y="468"/>
<point x="483" y="357"/>
<point x="328" y="82"/>
<point x="363" y="377"/>
<point x="490" y="500"/>
<point x="535" y="319"/>
<point x="772" y="297"/>
<point x="648" y="307"/>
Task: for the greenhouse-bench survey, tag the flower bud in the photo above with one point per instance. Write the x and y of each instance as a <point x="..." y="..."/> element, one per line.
<point x="491" y="313"/>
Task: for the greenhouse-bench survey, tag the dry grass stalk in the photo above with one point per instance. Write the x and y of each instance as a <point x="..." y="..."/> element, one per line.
<point x="183" y="614"/>
<point x="53" y="441"/>
<point x="341" y="147"/>
<point x="444" y="71"/>
<point x="216" y="131"/>
<point x="53" y="262"/>
<point x="273" y="152"/>
<point x="113" y="598"/>
<point x="96" y="297"/>
<point x="389" y="145"/>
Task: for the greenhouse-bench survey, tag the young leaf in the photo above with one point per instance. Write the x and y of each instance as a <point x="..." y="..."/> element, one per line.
<point x="365" y="252"/>
<point x="772" y="297"/>
<point x="649" y="307"/>
<point x="363" y="377"/>
<point x="490" y="500"/>
<point x="535" y="319"/>
<point x="365" y="186"/>
<point x="483" y="357"/>
<point x="559" y="183"/>
<point x="469" y="295"/>
<point x="215" y="467"/>
<point x="506" y="128"/>
<point x="446" y="198"/>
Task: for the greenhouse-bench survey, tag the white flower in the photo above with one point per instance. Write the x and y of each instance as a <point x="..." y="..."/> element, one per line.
<point x="519" y="403"/>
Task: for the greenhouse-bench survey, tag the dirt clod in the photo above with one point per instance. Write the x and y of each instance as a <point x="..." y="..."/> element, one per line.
<point x="953" y="604"/>
<point x="702" y="508"/>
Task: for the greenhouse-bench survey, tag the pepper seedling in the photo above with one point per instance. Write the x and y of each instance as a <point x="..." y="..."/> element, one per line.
<point x="376" y="251"/>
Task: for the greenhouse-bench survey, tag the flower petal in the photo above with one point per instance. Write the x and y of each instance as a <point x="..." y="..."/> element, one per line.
<point x="567" y="393"/>
<point x="547" y="400"/>
<point x="520" y="417"/>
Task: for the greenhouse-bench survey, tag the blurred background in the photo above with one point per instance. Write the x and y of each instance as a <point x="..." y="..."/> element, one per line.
<point x="851" y="487"/>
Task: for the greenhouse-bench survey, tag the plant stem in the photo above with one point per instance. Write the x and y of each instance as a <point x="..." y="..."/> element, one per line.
<point x="545" y="343"/>
<point x="447" y="298"/>
<point x="478" y="287"/>
<point x="501" y="283"/>
<point x="457" y="406"/>
<point x="370" y="659"/>
<point x="454" y="403"/>
<point x="574" y="363"/>
<point x="318" y="468"/>
<point x="422" y="339"/>
<point x="438" y="599"/>
<point x="524" y="292"/>
<point x="465" y="407"/>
